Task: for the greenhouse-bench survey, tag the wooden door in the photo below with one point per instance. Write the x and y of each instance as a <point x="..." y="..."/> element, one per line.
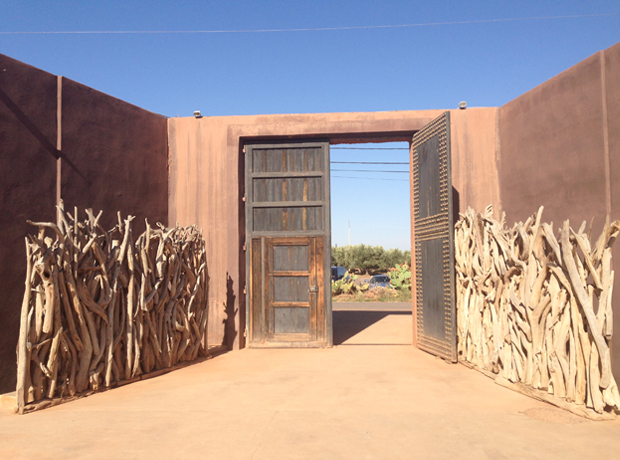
<point x="434" y="239"/>
<point x="287" y="235"/>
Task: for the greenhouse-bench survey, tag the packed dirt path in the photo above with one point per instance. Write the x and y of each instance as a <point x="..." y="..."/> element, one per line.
<point x="348" y="402"/>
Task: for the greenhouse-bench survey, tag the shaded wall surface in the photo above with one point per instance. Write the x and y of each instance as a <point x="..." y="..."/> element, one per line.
<point x="207" y="176"/>
<point x="28" y="187"/>
<point x="118" y="154"/>
<point x="113" y="157"/>
<point x="560" y="147"/>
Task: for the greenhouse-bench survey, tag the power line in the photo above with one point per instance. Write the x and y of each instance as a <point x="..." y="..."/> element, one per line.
<point x="371" y="178"/>
<point x="369" y="171"/>
<point x="307" y="29"/>
<point x="369" y="148"/>
<point x="371" y="162"/>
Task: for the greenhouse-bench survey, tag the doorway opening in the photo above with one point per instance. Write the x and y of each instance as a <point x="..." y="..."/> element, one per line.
<point x="371" y="239"/>
<point x="287" y="244"/>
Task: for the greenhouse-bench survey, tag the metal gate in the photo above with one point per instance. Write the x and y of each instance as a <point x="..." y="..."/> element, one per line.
<point x="289" y="248"/>
<point x="434" y="239"/>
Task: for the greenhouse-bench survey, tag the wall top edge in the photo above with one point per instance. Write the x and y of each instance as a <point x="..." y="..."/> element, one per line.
<point x="615" y="45"/>
<point x="20" y="63"/>
<point x="347" y="115"/>
<point x="584" y="62"/>
<point x="17" y="62"/>
<point x="88" y="88"/>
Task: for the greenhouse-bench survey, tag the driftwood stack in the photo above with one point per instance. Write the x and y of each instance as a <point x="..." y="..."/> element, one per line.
<point x="534" y="309"/>
<point x="100" y="309"/>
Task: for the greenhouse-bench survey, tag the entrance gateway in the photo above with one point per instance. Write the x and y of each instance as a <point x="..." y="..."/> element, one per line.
<point x="288" y="240"/>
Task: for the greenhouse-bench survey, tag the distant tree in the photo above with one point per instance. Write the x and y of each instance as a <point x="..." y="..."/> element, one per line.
<point x="362" y="258"/>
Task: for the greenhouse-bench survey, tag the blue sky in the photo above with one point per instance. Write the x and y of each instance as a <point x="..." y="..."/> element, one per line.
<point x="424" y="67"/>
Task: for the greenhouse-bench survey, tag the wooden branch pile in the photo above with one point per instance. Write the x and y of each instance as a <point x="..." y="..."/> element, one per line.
<point x="534" y="309"/>
<point x="100" y="309"/>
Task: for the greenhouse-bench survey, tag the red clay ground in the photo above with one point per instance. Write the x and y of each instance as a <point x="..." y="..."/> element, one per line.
<point x="348" y="402"/>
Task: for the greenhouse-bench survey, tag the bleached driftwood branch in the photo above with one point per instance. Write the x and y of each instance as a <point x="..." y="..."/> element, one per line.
<point x="100" y="309"/>
<point x="535" y="309"/>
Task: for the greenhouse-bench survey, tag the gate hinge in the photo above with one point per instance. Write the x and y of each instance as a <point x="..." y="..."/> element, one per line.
<point x="244" y="149"/>
<point x="244" y="199"/>
<point x="245" y="248"/>
<point x="313" y="289"/>
<point x="245" y="332"/>
<point x="244" y="290"/>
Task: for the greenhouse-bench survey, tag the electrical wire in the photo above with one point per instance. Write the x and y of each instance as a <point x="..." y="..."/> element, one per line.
<point x="370" y="178"/>
<point x="368" y="148"/>
<point x="369" y="171"/>
<point x="307" y="29"/>
<point x="371" y="162"/>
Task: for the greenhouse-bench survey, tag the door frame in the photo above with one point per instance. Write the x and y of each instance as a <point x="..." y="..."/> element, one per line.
<point x="335" y="132"/>
<point x="325" y="233"/>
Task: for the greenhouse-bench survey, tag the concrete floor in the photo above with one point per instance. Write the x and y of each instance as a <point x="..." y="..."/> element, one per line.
<point x="372" y="323"/>
<point x="348" y="402"/>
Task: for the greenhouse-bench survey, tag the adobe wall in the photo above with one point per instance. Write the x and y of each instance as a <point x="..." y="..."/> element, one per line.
<point x="560" y="147"/>
<point x="475" y="144"/>
<point x="206" y="179"/>
<point x="611" y="135"/>
<point x="119" y="157"/>
<point x="28" y="191"/>
<point x="119" y="152"/>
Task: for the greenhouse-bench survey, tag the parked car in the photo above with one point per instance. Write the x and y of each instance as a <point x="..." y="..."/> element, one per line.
<point x="379" y="281"/>
<point x="338" y="273"/>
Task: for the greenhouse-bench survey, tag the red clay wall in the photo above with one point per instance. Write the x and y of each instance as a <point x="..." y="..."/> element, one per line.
<point x="560" y="147"/>
<point x="610" y="59"/>
<point x="120" y="153"/>
<point x="119" y="150"/>
<point x="28" y="187"/>
<point x="207" y="169"/>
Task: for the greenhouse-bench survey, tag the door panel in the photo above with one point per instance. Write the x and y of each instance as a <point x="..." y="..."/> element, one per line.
<point x="290" y="288"/>
<point x="295" y="189"/>
<point x="287" y="306"/>
<point x="293" y="320"/>
<point x="434" y="245"/>
<point x="288" y="158"/>
<point x="287" y="222"/>
<point x="291" y="258"/>
<point x="293" y="219"/>
<point x="291" y="303"/>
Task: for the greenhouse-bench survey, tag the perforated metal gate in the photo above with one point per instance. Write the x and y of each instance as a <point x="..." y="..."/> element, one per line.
<point x="434" y="246"/>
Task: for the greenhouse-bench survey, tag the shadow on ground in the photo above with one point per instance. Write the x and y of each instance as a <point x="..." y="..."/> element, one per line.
<point x="350" y="323"/>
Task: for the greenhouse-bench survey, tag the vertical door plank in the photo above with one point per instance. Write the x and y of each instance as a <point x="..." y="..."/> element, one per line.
<point x="256" y="290"/>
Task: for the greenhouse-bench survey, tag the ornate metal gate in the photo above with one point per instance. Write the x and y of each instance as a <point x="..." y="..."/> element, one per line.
<point x="434" y="239"/>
